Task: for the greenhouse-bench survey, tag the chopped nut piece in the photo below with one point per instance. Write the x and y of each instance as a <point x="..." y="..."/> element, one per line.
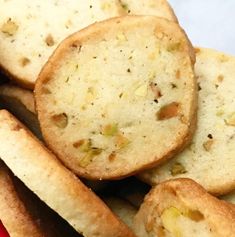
<point x="160" y="231"/>
<point x="49" y="40"/>
<point x="156" y="91"/>
<point x="90" y="90"/>
<point x="121" y="141"/>
<point x="195" y="215"/>
<point x="85" y="161"/>
<point x="121" y="37"/>
<point x="230" y="121"/>
<point x="45" y="90"/>
<point x="219" y="112"/>
<point x="169" y="217"/>
<point x="124" y="6"/>
<point x="105" y="6"/>
<point x="9" y="28"/>
<point x="152" y="76"/>
<point x="174" y="46"/>
<point x="208" y="144"/>
<point x="110" y="129"/>
<point x="88" y="158"/>
<point x="60" y="120"/>
<point x="79" y="143"/>
<point x="86" y="145"/>
<point x="95" y="151"/>
<point x="83" y="107"/>
<point x="178" y="74"/>
<point x="24" y="61"/>
<point x="142" y="90"/>
<point x="168" y="111"/>
<point x="178" y="168"/>
<point x="220" y="78"/>
<point x="112" y="156"/>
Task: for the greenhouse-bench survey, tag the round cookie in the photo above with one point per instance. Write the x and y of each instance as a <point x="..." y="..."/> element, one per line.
<point x="118" y="97"/>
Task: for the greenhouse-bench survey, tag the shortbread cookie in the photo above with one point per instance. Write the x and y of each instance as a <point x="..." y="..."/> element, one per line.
<point x="20" y="102"/>
<point x="182" y="208"/>
<point x="210" y="158"/>
<point x="31" y="30"/>
<point x="54" y="184"/>
<point x="118" y="97"/>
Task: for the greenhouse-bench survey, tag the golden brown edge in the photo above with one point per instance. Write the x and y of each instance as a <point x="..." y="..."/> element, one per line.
<point x="15" y="217"/>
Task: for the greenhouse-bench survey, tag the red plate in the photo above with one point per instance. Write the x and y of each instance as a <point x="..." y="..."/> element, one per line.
<point x="3" y="232"/>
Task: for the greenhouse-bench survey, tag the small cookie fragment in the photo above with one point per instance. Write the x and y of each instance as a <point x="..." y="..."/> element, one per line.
<point x="182" y="208"/>
<point x="9" y="28"/>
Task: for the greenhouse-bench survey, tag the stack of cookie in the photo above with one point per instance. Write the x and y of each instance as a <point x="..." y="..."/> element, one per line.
<point x="118" y="102"/>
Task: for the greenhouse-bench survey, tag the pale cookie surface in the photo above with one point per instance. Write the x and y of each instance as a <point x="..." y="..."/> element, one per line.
<point x="160" y="8"/>
<point x="60" y="189"/>
<point x="14" y="215"/>
<point x="209" y="160"/>
<point x="29" y="36"/>
<point x="182" y="208"/>
<point x="118" y="97"/>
